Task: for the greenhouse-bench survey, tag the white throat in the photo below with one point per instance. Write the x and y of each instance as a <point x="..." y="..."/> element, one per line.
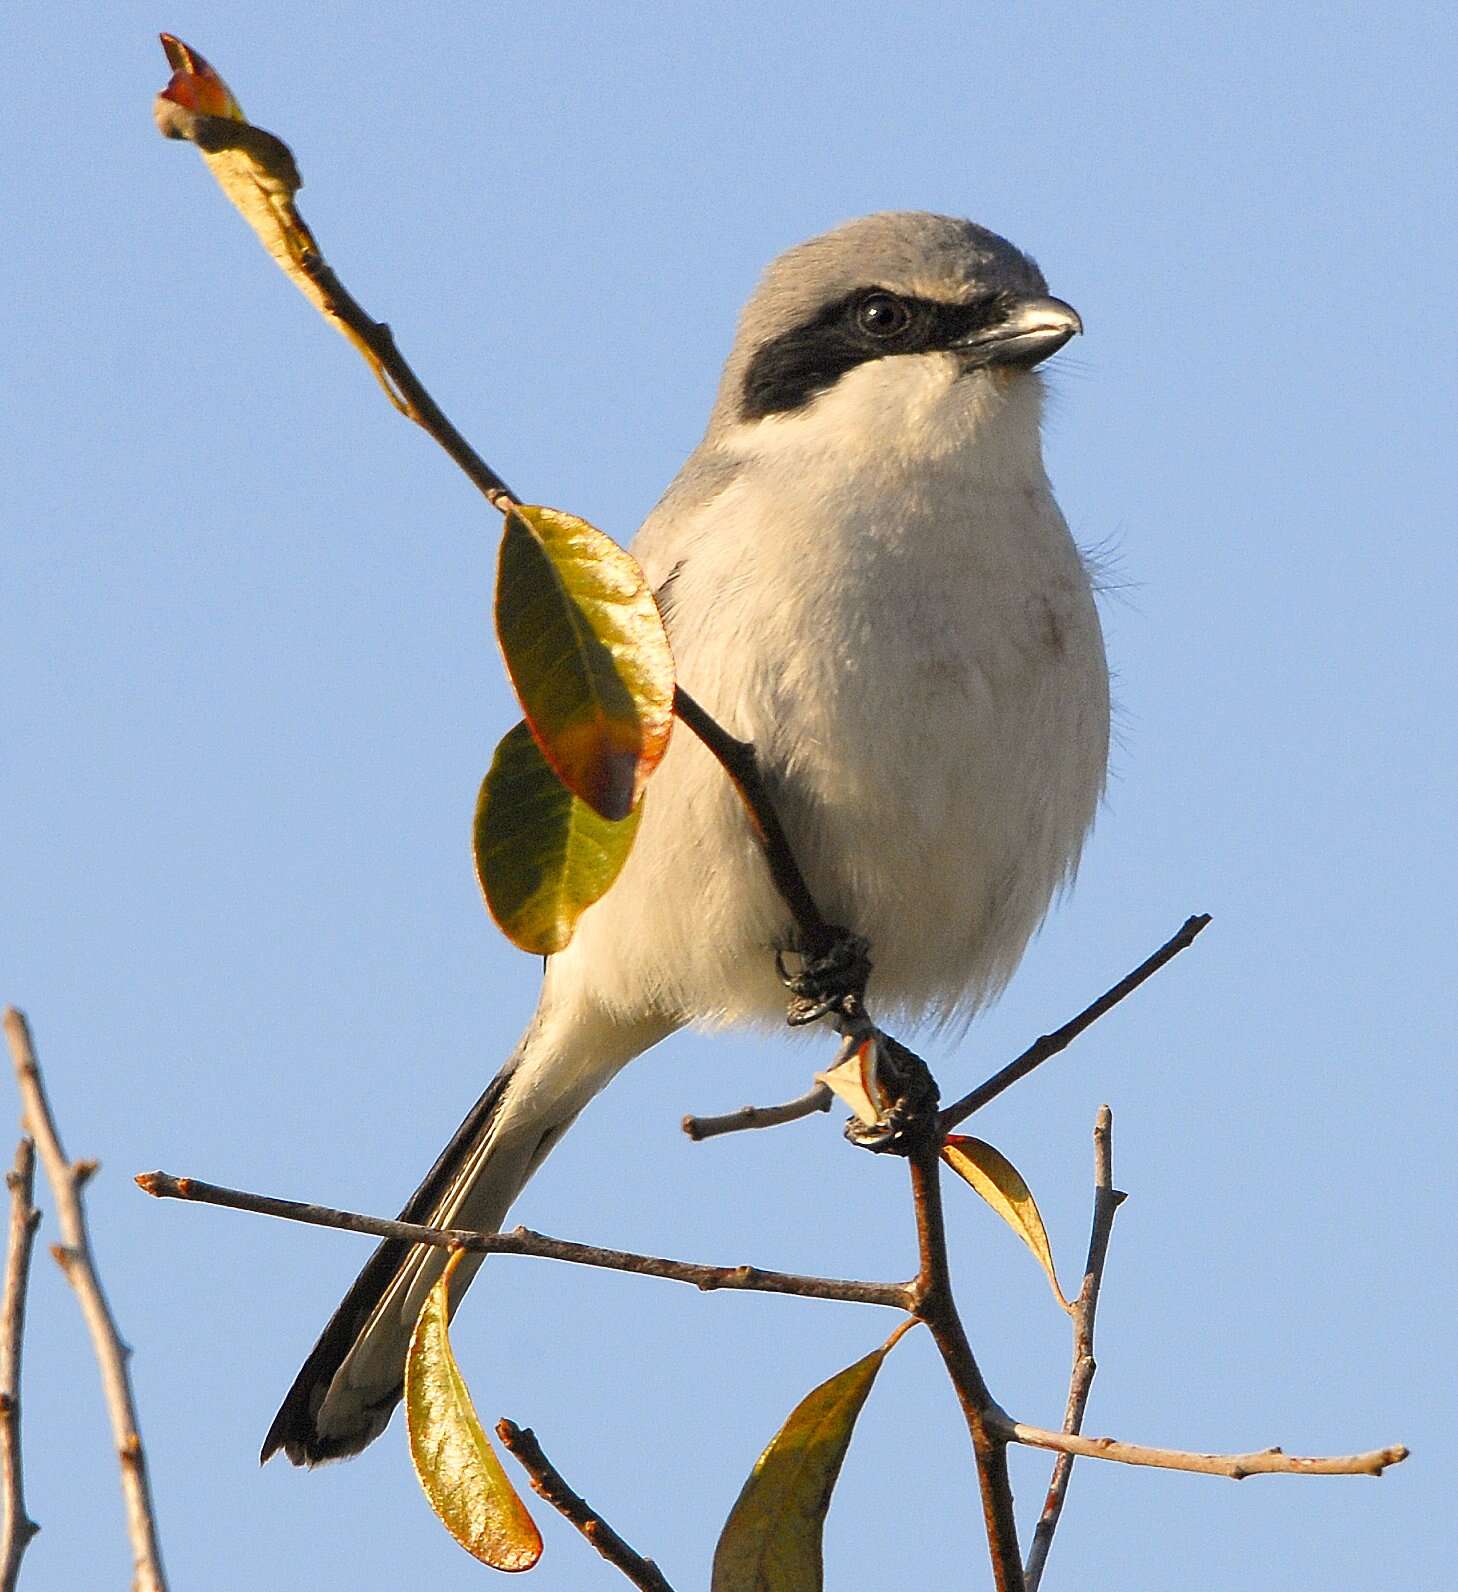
<point x="899" y="415"/>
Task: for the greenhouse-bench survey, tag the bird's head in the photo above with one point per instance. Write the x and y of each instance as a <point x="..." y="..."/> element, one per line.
<point x="902" y="319"/>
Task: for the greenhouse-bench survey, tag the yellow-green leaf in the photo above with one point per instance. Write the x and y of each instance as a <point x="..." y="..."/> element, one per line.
<point x="457" y="1467"/>
<point x="772" y="1539"/>
<point x="587" y="653"/>
<point x="542" y="856"/>
<point x="1000" y="1183"/>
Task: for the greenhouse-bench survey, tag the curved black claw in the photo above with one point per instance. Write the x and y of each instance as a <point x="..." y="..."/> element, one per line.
<point x="914" y="1096"/>
<point x="828" y="983"/>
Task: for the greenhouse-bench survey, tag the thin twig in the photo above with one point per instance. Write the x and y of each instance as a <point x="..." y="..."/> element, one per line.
<point x="936" y="1306"/>
<point x="805" y="1105"/>
<point x="549" y="1485"/>
<point x="73" y="1254"/>
<point x="1107" y="1200"/>
<point x="1060" y="1039"/>
<point x="413" y="399"/>
<point x="18" y="1528"/>
<point x="1261" y="1462"/>
<point x="521" y="1241"/>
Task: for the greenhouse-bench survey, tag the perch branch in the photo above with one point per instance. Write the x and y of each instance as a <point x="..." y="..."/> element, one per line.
<point x="1107" y="1200"/>
<point x="1261" y="1462"/>
<point x="1049" y="1045"/>
<point x="73" y="1254"/>
<point x="805" y="1105"/>
<point x="549" y="1485"/>
<point x="521" y="1241"/>
<point x="18" y="1528"/>
<point x="738" y="760"/>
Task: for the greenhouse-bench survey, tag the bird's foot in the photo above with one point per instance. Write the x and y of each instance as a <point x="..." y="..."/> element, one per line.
<point x="833" y="982"/>
<point x="912" y="1096"/>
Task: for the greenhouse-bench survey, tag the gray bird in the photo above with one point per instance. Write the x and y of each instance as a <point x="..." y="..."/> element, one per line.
<point x="864" y="572"/>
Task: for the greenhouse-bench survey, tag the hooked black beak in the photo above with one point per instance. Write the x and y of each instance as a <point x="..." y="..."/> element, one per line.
<point x="1032" y="329"/>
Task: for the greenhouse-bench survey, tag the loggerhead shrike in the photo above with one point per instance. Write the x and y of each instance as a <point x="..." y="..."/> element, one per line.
<point x="864" y="573"/>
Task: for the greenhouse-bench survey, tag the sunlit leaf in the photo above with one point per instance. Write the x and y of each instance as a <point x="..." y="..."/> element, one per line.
<point x="772" y="1541"/>
<point x="1000" y="1183"/>
<point x="255" y="170"/>
<point x="454" y="1459"/>
<point x="586" y="650"/>
<point x="542" y="856"/>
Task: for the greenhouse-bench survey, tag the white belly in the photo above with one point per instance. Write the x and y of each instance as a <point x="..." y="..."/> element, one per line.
<point x="931" y="695"/>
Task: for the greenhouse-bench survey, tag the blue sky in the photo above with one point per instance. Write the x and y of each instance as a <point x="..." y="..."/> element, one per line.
<point x="250" y="688"/>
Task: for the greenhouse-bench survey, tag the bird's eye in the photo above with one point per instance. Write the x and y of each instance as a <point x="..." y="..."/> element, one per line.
<point x="882" y="315"/>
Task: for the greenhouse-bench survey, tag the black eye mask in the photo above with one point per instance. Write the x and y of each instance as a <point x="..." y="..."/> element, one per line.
<point x="787" y="372"/>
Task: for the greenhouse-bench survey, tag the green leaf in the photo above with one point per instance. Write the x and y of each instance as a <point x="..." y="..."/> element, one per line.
<point x="452" y="1456"/>
<point x="587" y="653"/>
<point x="1000" y="1183"/>
<point x="772" y="1539"/>
<point x="542" y="856"/>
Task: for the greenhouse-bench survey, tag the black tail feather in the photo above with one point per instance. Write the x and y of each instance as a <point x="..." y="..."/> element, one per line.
<point x="293" y="1428"/>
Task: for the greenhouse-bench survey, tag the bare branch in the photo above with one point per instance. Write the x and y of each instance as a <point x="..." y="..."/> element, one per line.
<point x="1261" y="1462"/>
<point x="1107" y="1200"/>
<point x="549" y="1485"/>
<point x="936" y="1306"/>
<point x="18" y="1528"/>
<point x="73" y="1254"/>
<point x="805" y="1105"/>
<point x="1049" y="1045"/>
<point x="521" y="1241"/>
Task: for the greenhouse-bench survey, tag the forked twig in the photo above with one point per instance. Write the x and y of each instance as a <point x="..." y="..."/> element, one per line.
<point x="936" y="1306"/>
<point x="73" y="1254"/>
<point x="550" y="1486"/>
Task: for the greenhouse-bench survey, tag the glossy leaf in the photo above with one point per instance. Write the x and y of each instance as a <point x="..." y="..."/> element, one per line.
<point x="772" y="1541"/>
<point x="542" y="856"/>
<point x="1000" y="1183"/>
<point x="587" y="653"/>
<point x="452" y="1456"/>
